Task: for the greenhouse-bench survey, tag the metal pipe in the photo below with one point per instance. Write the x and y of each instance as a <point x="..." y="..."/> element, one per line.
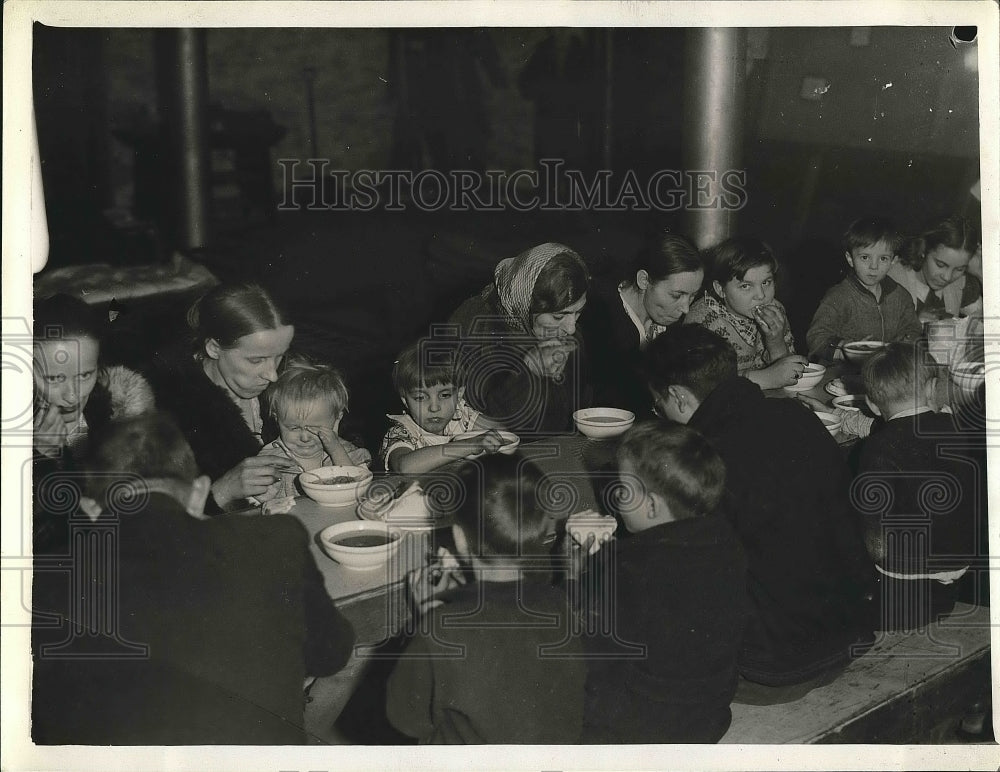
<point x="183" y="83"/>
<point x="714" y="82"/>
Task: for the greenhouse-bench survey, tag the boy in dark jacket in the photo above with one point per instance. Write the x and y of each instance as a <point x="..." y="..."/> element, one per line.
<point x="182" y="630"/>
<point x="921" y="490"/>
<point x="867" y="305"/>
<point x="679" y="592"/>
<point x="787" y="482"/>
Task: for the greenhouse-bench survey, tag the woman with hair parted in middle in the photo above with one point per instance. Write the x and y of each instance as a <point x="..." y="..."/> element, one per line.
<point x="521" y="353"/>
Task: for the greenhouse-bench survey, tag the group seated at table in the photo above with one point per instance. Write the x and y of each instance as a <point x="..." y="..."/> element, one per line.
<point x="753" y="564"/>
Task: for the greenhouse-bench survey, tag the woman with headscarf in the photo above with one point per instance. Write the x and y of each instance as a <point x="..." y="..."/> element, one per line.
<point x="520" y="352"/>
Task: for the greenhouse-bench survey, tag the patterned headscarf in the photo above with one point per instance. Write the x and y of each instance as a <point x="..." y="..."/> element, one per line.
<point x="515" y="277"/>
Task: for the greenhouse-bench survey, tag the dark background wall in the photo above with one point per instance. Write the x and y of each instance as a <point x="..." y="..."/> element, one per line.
<point x="365" y="284"/>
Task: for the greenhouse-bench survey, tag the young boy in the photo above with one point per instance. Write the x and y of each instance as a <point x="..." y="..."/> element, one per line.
<point x="308" y="402"/>
<point x="867" y="304"/>
<point x="495" y="660"/>
<point x="927" y="477"/>
<point x="232" y="610"/>
<point x="680" y="590"/>
<point x="423" y="438"/>
<point x="810" y="578"/>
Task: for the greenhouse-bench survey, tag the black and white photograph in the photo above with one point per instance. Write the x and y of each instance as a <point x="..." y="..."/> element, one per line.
<point x="588" y="385"/>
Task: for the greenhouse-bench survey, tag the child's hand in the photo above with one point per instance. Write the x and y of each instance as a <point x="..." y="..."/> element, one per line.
<point x="771" y="320"/>
<point x="816" y="405"/>
<point x="49" y="430"/>
<point x="332" y="444"/>
<point x="787" y="370"/>
<point x="428" y="583"/>
<point x="488" y="442"/>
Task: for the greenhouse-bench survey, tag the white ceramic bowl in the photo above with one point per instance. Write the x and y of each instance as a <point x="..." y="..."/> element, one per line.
<point x="859" y="351"/>
<point x="581" y="524"/>
<point x="360" y="543"/>
<point x="968" y="376"/>
<point x="510" y="441"/>
<point x="831" y="421"/>
<point x="317" y="485"/>
<point x="599" y="423"/>
<point x="855" y="402"/>
<point x="811" y="377"/>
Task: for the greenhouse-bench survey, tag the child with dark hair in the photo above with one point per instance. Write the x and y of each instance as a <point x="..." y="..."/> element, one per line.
<point x="921" y="487"/>
<point x="935" y="270"/>
<point x="786" y="496"/>
<point x="423" y="438"/>
<point x="740" y="306"/>
<point x="483" y="669"/>
<point x="680" y="591"/>
<point x="231" y="610"/>
<point x="867" y="304"/>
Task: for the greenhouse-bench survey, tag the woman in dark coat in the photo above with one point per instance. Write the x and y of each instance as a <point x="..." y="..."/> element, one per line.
<point x="626" y="315"/>
<point x="521" y="354"/>
<point x="214" y="392"/>
<point x="75" y="396"/>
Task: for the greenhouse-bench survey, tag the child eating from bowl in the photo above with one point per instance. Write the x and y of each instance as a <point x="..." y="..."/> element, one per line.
<point x="680" y="592"/>
<point x="494" y="661"/>
<point x="867" y="304"/>
<point x="741" y="307"/>
<point x="308" y="402"/>
<point x="424" y="437"/>
<point x="930" y="471"/>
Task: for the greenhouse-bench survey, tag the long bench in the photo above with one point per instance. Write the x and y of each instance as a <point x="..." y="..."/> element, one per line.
<point x="897" y="692"/>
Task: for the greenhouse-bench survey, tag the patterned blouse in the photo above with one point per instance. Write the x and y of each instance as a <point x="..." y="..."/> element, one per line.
<point x="743" y="334"/>
<point x="406" y="433"/>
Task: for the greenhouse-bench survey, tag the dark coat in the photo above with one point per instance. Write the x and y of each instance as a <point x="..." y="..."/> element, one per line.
<point x="614" y="356"/>
<point x="679" y="590"/>
<point x="234" y="614"/>
<point x="498" y="686"/>
<point x="810" y="577"/>
<point x="57" y="481"/>
<point x="500" y="385"/>
<point x="208" y="418"/>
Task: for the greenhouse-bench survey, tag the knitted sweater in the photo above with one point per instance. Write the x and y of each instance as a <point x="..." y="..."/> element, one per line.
<point x="849" y="311"/>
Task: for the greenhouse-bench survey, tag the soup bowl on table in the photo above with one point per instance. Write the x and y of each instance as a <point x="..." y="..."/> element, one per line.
<point x="336" y="486"/>
<point x="360" y="544"/>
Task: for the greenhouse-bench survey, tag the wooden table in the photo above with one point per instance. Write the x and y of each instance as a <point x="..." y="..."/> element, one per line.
<point x="578" y="475"/>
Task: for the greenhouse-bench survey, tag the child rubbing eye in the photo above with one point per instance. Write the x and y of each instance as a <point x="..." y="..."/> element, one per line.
<point x="308" y="402"/>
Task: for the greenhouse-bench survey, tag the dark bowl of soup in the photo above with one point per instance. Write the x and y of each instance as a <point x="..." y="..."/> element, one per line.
<point x="360" y="544"/>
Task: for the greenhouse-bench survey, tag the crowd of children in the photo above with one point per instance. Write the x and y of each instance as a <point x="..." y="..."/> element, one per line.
<point x="753" y="558"/>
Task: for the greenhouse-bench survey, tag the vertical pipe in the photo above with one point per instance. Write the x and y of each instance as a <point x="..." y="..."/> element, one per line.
<point x="183" y="83"/>
<point x="714" y="81"/>
<point x="609" y="67"/>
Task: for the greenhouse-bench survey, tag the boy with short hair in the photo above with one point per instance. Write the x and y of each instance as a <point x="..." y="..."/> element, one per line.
<point x="787" y="484"/>
<point x="927" y="477"/>
<point x="867" y="304"/>
<point x="424" y="437"/>
<point x="233" y="611"/>
<point x="680" y="591"/>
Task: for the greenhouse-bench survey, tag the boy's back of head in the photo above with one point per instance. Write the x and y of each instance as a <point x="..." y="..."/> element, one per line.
<point x="897" y="378"/>
<point x="678" y="464"/>
<point x="689" y="355"/>
<point x="495" y="501"/>
<point x="148" y="451"/>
